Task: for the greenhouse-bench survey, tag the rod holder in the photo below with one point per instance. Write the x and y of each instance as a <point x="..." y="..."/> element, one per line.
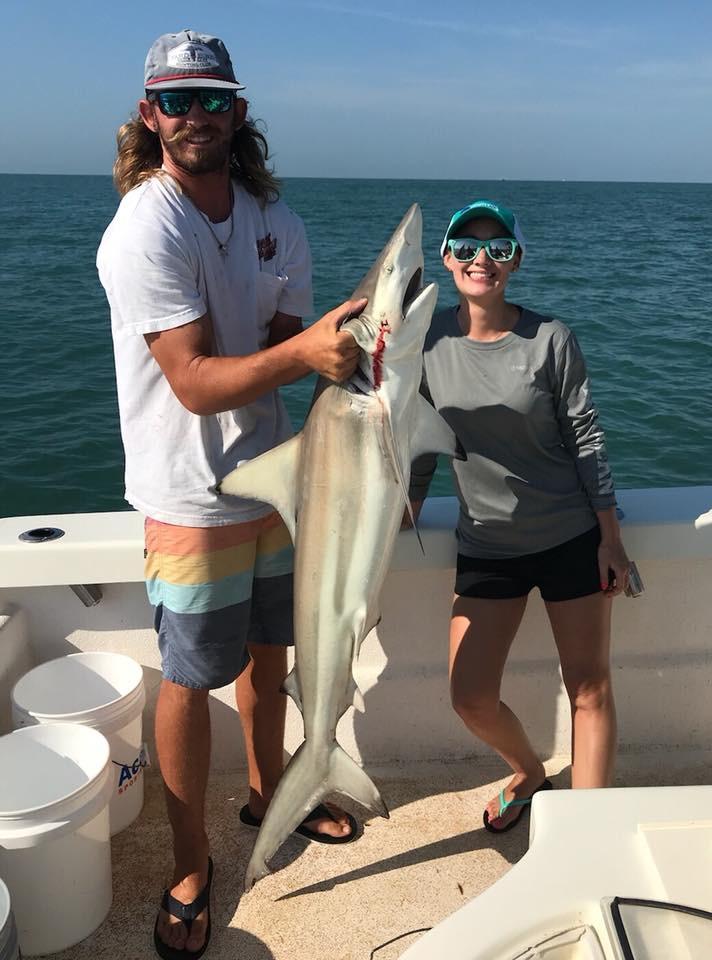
<point x="41" y="534"/>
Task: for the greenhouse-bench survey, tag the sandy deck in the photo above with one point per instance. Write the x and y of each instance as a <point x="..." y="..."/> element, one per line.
<point x="365" y="900"/>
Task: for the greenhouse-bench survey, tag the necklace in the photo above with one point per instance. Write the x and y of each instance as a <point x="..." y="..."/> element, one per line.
<point x="222" y="244"/>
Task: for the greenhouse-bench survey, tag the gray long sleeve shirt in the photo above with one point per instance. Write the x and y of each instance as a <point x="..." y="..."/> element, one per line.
<point x="536" y="466"/>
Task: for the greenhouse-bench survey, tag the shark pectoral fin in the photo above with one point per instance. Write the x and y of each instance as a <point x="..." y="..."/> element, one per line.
<point x="391" y="452"/>
<point x="270" y="478"/>
<point x="345" y="776"/>
<point x="290" y="686"/>
<point x="432" y="434"/>
<point x="414" y="525"/>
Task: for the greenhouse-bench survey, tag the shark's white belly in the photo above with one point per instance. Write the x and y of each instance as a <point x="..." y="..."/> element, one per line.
<point x="349" y="515"/>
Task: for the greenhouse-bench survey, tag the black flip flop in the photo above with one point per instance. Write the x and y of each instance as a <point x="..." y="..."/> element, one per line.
<point x="187" y="912"/>
<point x="319" y="812"/>
<point x="506" y="804"/>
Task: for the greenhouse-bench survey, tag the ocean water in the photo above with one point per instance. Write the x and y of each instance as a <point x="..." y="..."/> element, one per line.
<point x="625" y="265"/>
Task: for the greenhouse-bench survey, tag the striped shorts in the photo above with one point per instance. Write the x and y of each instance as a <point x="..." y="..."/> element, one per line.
<point x="214" y="590"/>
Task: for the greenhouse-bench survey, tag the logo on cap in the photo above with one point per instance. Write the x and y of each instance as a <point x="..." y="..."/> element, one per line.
<point x="192" y="56"/>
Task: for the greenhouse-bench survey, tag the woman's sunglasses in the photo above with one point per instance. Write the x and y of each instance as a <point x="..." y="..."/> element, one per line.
<point x="500" y="249"/>
<point x="176" y="103"/>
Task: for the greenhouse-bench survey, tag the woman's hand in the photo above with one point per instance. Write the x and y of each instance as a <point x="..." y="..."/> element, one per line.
<point x="613" y="566"/>
<point x="613" y="563"/>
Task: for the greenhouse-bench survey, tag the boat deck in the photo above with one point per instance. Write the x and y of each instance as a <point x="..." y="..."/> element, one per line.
<point x="368" y="900"/>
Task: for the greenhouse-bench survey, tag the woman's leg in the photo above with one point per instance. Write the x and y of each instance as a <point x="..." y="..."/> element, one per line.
<point x="582" y="630"/>
<point x="481" y="634"/>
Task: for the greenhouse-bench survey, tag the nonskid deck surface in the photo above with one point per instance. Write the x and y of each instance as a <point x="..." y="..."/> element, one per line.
<point x="336" y="903"/>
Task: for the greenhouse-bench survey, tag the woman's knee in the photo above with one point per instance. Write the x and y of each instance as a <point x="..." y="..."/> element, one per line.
<point x="590" y="693"/>
<point x="475" y="708"/>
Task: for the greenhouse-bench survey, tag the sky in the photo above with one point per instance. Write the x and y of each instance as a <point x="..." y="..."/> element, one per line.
<point x="523" y="89"/>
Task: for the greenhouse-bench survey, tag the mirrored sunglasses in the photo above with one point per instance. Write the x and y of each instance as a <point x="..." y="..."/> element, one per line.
<point x="176" y="103"/>
<point x="499" y="249"/>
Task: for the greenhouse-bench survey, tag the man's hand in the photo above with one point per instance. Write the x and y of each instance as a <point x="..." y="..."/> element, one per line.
<point x="327" y="350"/>
<point x="206" y="384"/>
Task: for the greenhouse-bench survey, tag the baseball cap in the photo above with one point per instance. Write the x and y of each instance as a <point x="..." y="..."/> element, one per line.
<point x="189" y="59"/>
<point x="484" y="208"/>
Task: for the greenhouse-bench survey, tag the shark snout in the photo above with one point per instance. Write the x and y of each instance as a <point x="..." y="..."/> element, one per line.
<point x="412" y="226"/>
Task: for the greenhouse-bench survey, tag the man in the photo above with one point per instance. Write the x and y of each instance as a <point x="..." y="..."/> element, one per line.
<point x="208" y="275"/>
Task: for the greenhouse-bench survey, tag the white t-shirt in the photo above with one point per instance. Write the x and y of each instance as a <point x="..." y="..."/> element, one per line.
<point x="161" y="268"/>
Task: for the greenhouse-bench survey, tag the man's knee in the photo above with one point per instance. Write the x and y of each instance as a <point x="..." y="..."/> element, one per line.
<point x="182" y="692"/>
<point x="268" y="666"/>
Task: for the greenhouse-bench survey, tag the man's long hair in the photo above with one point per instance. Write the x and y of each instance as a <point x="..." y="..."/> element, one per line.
<point x="140" y="157"/>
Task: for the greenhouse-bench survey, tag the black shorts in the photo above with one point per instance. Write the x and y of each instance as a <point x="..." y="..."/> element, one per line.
<point x="565" y="572"/>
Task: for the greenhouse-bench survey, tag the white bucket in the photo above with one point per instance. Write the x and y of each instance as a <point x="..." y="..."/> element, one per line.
<point x="9" y="949"/>
<point x="15" y="659"/>
<point x="100" y="690"/>
<point x="55" y="853"/>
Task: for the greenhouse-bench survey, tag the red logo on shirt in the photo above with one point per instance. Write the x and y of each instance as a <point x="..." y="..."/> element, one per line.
<point x="267" y="247"/>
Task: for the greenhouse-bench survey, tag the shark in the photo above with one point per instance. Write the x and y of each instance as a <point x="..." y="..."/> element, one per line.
<point x="341" y="486"/>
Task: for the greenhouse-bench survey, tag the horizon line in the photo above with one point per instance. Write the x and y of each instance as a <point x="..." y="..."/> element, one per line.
<point x="9" y="173"/>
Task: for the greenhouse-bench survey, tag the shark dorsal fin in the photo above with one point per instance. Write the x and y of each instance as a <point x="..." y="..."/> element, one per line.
<point x="432" y="434"/>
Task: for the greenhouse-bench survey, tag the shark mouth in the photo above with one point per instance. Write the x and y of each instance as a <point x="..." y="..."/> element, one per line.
<point x="377" y="356"/>
<point x="412" y="290"/>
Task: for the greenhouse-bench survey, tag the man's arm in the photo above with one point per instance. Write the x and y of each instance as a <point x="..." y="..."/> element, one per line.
<point x="206" y="384"/>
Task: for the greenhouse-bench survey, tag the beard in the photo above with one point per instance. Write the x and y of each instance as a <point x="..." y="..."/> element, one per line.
<point x="210" y="158"/>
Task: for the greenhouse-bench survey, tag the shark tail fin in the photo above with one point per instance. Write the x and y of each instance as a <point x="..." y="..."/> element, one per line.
<point x="309" y="777"/>
<point x="347" y="777"/>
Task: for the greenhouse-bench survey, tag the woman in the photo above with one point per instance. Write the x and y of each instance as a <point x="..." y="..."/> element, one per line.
<point x="537" y="505"/>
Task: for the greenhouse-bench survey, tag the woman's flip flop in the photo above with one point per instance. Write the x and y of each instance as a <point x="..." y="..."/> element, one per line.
<point x="504" y="805"/>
